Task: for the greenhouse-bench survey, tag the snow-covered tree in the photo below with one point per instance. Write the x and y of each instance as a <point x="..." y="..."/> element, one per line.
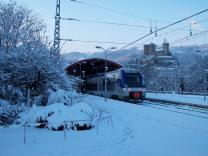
<point x="26" y="60"/>
<point x="18" y="25"/>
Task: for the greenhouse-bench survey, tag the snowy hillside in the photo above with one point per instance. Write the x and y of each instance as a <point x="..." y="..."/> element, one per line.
<point x="188" y="52"/>
<point x="119" y="56"/>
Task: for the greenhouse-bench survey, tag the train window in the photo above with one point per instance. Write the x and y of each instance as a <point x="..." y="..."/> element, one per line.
<point x="91" y="86"/>
<point x="110" y="85"/>
<point x="133" y="80"/>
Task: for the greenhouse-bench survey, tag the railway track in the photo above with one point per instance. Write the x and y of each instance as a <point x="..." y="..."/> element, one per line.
<point x="180" y="109"/>
<point x="188" y="110"/>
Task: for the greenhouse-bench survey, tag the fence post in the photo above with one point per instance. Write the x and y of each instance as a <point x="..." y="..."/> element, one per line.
<point x="205" y="90"/>
<point x="100" y="114"/>
<point x="71" y="100"/>
<point x="108" y="120"/>
<point x="64" y="130"/>
<point x="97" y="125"/>
<point x="111" y="121"/>
<point x="25" y="132"/>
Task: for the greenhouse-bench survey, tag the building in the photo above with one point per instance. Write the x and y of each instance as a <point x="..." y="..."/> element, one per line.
<point x="166" y="49"/>
<point x="161" y="56"/>
<point x="149" y="49"/>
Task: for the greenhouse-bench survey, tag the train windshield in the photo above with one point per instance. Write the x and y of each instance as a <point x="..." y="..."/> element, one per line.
<point x="133" y="80"/>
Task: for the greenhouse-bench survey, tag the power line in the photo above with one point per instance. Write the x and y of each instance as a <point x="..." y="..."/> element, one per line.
<point x="190" y="37"/>
<point x="164" y="28"/>
<point x="93" y="41"/>
<point x="110" y="23"/>
<point x="187" y="37"/>
<point x="111" y="42"/>
<point x="128" y="25"/>
<point x="173" y="30"/>
<point x="103" y="22"/>
<point x="181" y="39"/>
<point x="115" y="11"/>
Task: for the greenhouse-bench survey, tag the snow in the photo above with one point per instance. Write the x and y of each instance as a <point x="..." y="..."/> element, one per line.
<point x="193" y="99"/>
<point x="136" y="130"/>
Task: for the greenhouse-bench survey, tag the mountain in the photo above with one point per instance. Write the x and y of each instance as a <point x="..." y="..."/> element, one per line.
<point x="74" y="56"/>
<point x="121" y="56"/>
<point x="183" y="53"/>
<point x="188" y="55"/>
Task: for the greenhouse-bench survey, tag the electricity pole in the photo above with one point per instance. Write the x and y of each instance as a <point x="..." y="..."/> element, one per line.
<point x="105" y="83"/>
<point x="56" y="44"/>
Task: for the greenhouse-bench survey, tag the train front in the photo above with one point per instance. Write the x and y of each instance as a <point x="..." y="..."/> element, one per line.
<point x="133" y="85"/>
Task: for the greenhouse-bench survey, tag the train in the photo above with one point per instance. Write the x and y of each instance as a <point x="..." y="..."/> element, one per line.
<point x="123" y="84"/>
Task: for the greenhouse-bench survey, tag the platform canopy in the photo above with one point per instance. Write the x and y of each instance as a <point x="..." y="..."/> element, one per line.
<point x="91" y="67"/>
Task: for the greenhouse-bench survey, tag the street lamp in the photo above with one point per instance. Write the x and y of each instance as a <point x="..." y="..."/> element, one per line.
<point x="80" y="69"/>
<point x="105" y="50"/>
<point x="81" y="73"/>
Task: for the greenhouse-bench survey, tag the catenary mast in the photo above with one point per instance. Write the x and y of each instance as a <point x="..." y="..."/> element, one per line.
<point x="56" y="43"/>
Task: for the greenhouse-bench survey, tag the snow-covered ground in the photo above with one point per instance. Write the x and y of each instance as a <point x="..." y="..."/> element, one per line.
<point x="137" y="130"/>
<point x="194" y="99"/>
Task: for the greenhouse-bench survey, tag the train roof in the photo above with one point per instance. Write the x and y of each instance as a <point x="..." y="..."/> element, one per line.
<point x="91" y="67"/>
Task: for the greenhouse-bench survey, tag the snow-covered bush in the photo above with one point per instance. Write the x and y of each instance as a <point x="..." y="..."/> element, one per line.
<point x="62" y="96"/>
<point x="8" y="113"/>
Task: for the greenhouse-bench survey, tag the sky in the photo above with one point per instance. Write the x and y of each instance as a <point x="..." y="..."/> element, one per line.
<point x="144" y="11"/>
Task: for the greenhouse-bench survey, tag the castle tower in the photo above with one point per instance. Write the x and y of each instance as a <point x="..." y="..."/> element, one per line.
<point x="166" y="48"/>
<point x="149" y="49"/>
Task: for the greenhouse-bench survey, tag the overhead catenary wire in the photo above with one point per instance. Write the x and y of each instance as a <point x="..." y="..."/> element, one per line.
<point x="104" y="22"/>
<point x="112" y="23"/>
<point x="173" y="30"/>
<point x="110" y="42"/>
<point x="122" y="43"/>
<point x="181" y="39"/>
<point x="162" y="28"/>
<point x="132" y="25"/>
<point x="190" y="37"/>
<point x="133" y="15"/>
<point x="92" y="41"/>
<point x="116" y="11"/>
